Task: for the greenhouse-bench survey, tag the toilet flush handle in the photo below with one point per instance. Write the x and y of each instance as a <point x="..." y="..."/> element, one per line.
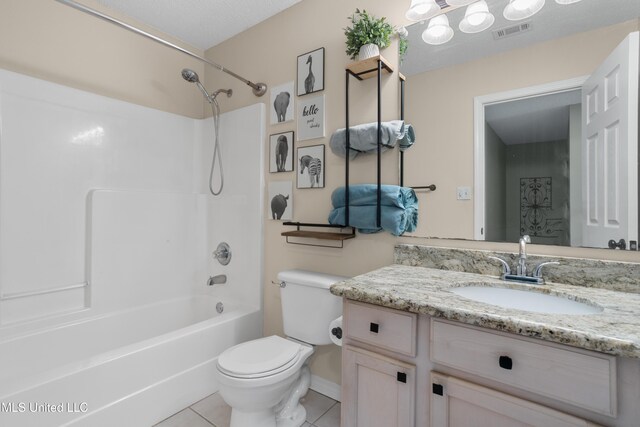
<point x="281" y="284"/>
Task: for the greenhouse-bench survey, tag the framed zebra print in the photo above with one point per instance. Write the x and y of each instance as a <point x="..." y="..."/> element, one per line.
<point x="281" y="152"/>
<point x="311" y="167"/>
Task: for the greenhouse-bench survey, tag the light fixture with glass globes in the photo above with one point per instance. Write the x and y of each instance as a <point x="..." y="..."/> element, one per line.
<point x="476" y="18"/>
<point x="522" y="9"/>
<point x="438" y="31"/>
<point x="421" y="10"/>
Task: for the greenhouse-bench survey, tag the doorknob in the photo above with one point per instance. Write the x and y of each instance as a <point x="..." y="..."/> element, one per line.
<point x="620" y="245"/>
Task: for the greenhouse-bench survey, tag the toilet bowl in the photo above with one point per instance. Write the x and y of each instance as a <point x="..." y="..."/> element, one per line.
<point x="258" y="377"/>
<point x="263" y="380"/>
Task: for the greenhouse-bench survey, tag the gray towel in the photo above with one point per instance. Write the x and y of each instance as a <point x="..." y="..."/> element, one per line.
<point x="363" y="138"/>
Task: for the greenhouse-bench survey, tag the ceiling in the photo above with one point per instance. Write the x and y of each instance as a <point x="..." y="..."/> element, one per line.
<point x="551" y="22"/>
<point x="537" y="119"/>
<point x="200" y="23"/>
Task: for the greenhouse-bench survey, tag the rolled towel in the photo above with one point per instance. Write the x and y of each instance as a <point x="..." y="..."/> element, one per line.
<point x="412" y="219"/>
<point x="366" y="194"/>
<point x="363" y="138"/>
<point x="408" y="139"/>
<point x="392" y="219"/>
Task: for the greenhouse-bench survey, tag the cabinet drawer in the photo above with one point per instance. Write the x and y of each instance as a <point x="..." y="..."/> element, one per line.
<point x="383" y="327"/>
<point x="580" y="378"/>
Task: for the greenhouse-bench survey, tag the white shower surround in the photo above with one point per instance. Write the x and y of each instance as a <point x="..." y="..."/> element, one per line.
<point x="107" y="232"/>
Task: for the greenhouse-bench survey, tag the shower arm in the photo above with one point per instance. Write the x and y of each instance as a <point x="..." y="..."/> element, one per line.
<point x="259" y="89"/>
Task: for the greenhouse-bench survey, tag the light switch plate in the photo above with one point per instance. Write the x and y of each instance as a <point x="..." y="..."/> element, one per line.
<point x="464" y="193"/>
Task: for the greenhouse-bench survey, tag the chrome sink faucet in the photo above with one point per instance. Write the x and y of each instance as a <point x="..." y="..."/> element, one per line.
<point x="522" y="257"/>
<point x="521" y="269"/>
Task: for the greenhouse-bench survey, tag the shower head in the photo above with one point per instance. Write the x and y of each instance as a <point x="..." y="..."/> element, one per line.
<point x="192" y="77"/>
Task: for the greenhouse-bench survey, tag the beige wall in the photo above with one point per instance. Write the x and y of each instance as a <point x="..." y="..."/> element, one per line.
<point x="51" y="41"/>
<point x="268" y="53"/>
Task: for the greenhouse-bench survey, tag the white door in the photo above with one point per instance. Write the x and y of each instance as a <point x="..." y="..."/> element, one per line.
<point x="610" y="148"/>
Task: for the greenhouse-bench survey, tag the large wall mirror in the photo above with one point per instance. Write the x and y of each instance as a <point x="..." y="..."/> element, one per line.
<point x="538" y="117"/>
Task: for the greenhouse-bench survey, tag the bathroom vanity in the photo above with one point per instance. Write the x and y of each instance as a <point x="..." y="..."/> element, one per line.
<point x="416" y="353"/>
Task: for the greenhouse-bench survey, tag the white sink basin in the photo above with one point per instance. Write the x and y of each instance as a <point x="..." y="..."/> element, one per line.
<point x="525" y="300"/>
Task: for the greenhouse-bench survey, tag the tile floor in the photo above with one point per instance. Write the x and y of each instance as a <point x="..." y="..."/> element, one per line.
<point x="322" y="411"/>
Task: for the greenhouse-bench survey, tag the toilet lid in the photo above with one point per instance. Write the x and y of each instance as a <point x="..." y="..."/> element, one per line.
<point x="261" y="357"/>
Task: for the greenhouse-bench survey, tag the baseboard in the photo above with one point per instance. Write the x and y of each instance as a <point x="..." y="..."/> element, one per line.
<point x="326" y="387"/>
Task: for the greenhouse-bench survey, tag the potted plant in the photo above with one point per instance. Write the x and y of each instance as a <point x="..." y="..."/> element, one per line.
<point x="367" y="35"/>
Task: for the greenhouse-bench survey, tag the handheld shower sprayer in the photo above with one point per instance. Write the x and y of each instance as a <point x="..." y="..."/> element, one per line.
<point x="192" y="77"/>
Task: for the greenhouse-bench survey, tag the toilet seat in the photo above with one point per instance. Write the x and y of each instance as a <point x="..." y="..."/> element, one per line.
<point x="259" y="358"/>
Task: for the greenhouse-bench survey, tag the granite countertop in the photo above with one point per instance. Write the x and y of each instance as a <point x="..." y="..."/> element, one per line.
<point x="616" y="330"/>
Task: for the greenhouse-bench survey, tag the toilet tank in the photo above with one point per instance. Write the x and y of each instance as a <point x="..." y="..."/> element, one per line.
<point x="307" y="305"/>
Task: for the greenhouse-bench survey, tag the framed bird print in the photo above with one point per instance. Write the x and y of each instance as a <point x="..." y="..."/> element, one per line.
<point x="311" y="167"/>
<point x="310" y="77"/>
<point x="281" y="152"/>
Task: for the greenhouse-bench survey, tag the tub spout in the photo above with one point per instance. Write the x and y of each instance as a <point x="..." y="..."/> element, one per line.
<point x="220" y="279"/>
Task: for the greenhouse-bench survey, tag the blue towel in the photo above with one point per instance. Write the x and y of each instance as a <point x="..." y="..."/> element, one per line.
<point x="408" y="139"/>
<point x="392" y="219"/>
<point x="366" y="194"/>
<point x="363" y="138"/>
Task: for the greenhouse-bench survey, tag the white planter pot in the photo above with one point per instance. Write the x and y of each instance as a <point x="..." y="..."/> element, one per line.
<point x="368" y="51"/>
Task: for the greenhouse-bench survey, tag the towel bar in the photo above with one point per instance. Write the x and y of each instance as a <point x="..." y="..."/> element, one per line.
<point x="431" y="187"/>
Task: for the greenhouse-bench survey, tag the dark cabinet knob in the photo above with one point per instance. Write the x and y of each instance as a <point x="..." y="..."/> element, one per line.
<point x="437" y="389"/>
<point x="505" y="362"/>
<point x="374" y="327"/>
<point x="401" y="377"/>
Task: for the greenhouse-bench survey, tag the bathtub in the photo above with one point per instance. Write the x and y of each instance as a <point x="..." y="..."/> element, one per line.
<point x="134" y="367"/>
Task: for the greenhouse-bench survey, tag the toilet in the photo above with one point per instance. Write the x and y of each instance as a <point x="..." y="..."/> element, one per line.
<point x="263" y="379"/>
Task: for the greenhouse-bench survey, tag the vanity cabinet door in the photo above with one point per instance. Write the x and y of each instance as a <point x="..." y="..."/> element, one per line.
<point x="458" y="403"/>
<point x="377" y="391"/>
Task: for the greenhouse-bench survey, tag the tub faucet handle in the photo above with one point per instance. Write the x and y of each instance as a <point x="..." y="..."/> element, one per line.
<point x="222" y="253"/>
